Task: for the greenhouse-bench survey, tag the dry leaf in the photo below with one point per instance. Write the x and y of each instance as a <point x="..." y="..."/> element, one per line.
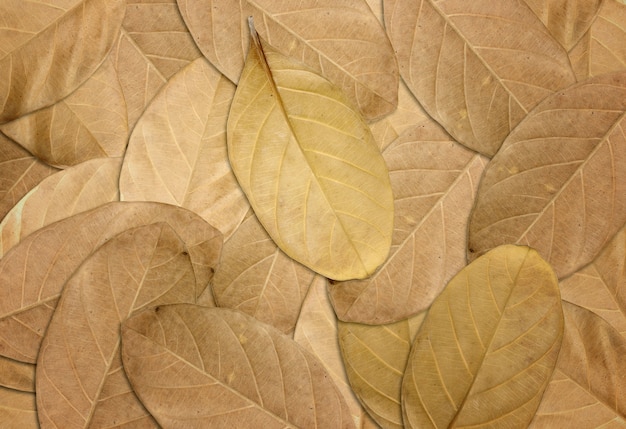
<point x="17" y="409"/>
<point x="488" y="346"/>
<point x="434" y="181"/>
<point x="38" y="267"/>
<point x="558" y="182"/>
<point x="71" y="191"/>
<point x="477" y="67"/>
<point x="340" y="39"/>
<point x="588" y="389"/>
<point x="309" y="166"/>
<point x="375" y="358"/>
<point x="139" y="268"/>
<point x="603" y="48"/>
<point x="177" y="151"/>
<point x="237" y="372"/>
<point x="255" y="277"/>
<point x="90" y="123"/>
<point x="17" y="375"/>
<point x="19" y="173"/>
<point x="158" y="30"/>
<point x="50" y="48"/>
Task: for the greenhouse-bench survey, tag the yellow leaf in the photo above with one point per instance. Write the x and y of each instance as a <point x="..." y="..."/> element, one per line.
<point x="309" y="166"/>
<point x="488" y="346"/>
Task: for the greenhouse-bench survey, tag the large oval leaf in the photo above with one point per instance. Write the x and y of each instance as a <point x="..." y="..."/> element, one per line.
<point x="559" y="182"/>
<point x="457" y="57"/>
<point x="139" y="268"/>
<point x="488" y="346"/>
<point x="50" y="48"/>
<point x="238" y="371"/>
<point x="309" y="166"/>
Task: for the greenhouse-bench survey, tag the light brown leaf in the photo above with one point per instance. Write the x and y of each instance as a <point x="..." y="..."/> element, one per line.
<point x="603" y="47"/>
<point x="255" y="277"/>
<point x="559" y="181"/>
<point x="35" y="271"/>
<point x="222" y="368"/>
<point x="477" y="67"/>
<point x="71" y="191"/>
<point x="19" y="173"/>
<point x="340" y="39"/>
<point x="17" y="375"/>
<point x="434" y="181"/>
<point x="158" y="30"/>
<point x="177" y="151"/>
<point x="139" y="268"/>
<point x="49" y="49"/>
<point x="310" y="168"/>
<point x="374" y="359"/>
<point x="90" y="123"/>
<point x="488" y="346"/>
<point x="17" y="409"/>
<point x="588" y="388"/>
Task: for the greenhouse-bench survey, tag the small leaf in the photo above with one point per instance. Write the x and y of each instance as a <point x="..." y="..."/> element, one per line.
<point x="559" y="180"/>
<point x="17" y="375"/>
<point x="236" y="371"/>
<point x="50" y="48"/>
<point x="177" y="151"/>
<point x="141" y="267"/>
<point x="18" y="410"/>
<point x="477" y="68"/>
<point x="309" y="166"/>
<point x="488" y="345"/>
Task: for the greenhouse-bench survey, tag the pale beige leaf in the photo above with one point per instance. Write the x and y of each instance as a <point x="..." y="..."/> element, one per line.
<point x="434" y="181"/>
<point x="19" y="173"/>
<point x="177" y="151"/>
<point x="35" y="270"/>
<point x="457" y="56"/>
<point x="90" y="123"/>
<point x="375" y="357"/>
<point x="603" y="48"/>
<point x="63" y="194"/>
<point x="50" y="48"/>
<point x="559" y="181"/>
<point x="588" y="388"/>
<point x="310" y="168"/>
<point x="18" y="410"/>
<point x="17" y="375"/>
<point x="238" y="372"/>
<point x="340" y="39"/>
<point x="488" y="346"/>
<point x="159" y="32"/>
<point x="255" y="277"/>
<point x="376" y="7"/>
<point x="138" y="268"/>
<point x="566" y="20"/>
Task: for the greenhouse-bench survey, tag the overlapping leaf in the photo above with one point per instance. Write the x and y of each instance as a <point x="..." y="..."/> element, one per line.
<point x="254" y="377"/>
<point x="17" y="375"/>
<point x="559" y="181"/>
<point x="309" y="166"/>
<point x="18" y="409"/>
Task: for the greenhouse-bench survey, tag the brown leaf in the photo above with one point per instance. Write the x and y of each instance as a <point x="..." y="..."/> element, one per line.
<point x="255" y="277"/>
<point x="158" y="31"/>
<point x="17" y="375"/>
<point x="36" y="269"/>
<point x="488" y="346"/>
<point x="19" y="173"/>
<point x="71" y="191"/>
<point x="337" y="38"/>
<point x="238" y="372"/>
<point x="559" y="181"/>
<point x="17" y="409"/>
<point x="457" y="56"/>
<point x="588" y="388"/>
<point x="375" y="357"/>
<point x="434" y="181"/>
<point x="141" y="267"/>
<point x="50" y="48"/>
<point x="177" y="152"/>
<point x="90" y="123"/>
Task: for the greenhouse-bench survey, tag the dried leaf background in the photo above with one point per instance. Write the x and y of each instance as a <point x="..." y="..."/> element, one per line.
<point x="139" y="114"/>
